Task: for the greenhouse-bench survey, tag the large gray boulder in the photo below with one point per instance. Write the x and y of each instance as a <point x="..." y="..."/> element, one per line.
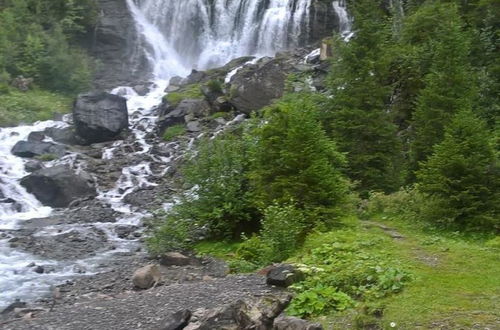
<point x="188" y="108"/>
<point x="256" y="86"/>
<point x="29" y="149"/>
<point x="99" y="116"/>
<point x="58" y="186"/>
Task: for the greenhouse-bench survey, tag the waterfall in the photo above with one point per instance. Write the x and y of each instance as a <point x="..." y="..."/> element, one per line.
<point x="201" y="34"/>
<point x="345" y="23"/>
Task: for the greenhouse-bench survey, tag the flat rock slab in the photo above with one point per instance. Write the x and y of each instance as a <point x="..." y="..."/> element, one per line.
<point x="146" y="309"/>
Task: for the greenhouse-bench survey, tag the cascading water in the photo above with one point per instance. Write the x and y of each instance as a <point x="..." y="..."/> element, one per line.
<point x="176" y="37"/>
<point x="345" y="23"/>
<point x="202" y="34"/>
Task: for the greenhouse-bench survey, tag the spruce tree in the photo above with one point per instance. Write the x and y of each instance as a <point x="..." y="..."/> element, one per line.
<point x="294" y="161"/>
<point x="449" y="85"/>
<point x="463" y="174"/>
<point x="358" y="117"/>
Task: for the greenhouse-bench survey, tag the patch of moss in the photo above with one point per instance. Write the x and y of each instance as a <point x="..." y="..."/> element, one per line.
<point x="192" y="91"/>
<point x="174" y="131"/>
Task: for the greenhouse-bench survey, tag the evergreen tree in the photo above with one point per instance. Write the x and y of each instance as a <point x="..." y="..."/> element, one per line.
<point x="358" y="118"/>
<point x="449" y="85"/>
<point x="463" y="174"/>
<point x="294" y="160"/>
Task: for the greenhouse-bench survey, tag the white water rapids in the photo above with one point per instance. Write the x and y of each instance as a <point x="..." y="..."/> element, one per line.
<point x="179" y="35"/>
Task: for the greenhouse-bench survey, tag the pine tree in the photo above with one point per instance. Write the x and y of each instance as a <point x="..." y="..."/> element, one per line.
<point x="463" y="174"/>
<point x="358" y="118"/>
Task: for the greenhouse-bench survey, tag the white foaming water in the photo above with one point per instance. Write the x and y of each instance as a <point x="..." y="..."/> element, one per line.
<point x="201" y="34"/>
<point x="345" y="22"/>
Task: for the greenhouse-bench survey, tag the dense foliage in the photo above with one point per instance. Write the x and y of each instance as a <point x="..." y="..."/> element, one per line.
<point x="39" y="39"/>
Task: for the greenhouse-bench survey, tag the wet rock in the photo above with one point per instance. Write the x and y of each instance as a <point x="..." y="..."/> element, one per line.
<point x="294" y="323"/>
<point x="175" y="259"/>
<point x="39" y="269"/>
<point x="64" y="135"/>
<point x="29" y="149"/>
<point x="192" y="107"/>
<point x="140" y="198"/>
<point x="194" y="77"/>
<point x="16" y="304"/>
<point x="100" y="116"/>
<point x="147" y="276"/>
<point x="283" y="275"/>
<point x="255" y="86"/>
<point x="194" y="126"/>
<point x="114" y="44"/>
<point x="142" y="89"/>
<point x="177" y="321"/>
<point x="58" y="186"/>
<point x="70" y="245"/>
<point x="124" y="231"/>
<point x="33" y="165"/>
<point x="36" y="136"/>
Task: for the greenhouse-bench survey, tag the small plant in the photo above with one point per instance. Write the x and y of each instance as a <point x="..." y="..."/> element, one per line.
<point x="173" y="132"/>
<point x="47" y="157"/>
<point x="215" y="86"/>
<point x="319" y="300"/>
<point x="282" y="230"/>
<point x="221" y="114"/>
<point x="171" y="233"/>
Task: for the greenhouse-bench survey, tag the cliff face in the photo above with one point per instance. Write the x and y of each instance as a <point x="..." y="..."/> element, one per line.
<point x="120" y="49"/>
<point x="115" y="45"/>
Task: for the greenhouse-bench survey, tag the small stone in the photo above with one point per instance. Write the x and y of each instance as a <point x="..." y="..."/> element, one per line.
<point x="174" y="259"/>
<point x="284" y="275"/>
<point x="39" y="269"/>
<point x="147" y="276"/>
<point x="177" y="321"/>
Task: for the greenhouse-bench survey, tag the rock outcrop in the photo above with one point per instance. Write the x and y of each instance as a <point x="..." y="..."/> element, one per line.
<point x="58" y="186"/>
<point x="29" y="149"/>
<point x="100" y="116"/>
<point x="117" y="47"/>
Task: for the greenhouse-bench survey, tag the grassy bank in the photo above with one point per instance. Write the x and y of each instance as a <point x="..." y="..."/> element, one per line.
<point x="26" y="107"/>
<point x="426" y="279"/>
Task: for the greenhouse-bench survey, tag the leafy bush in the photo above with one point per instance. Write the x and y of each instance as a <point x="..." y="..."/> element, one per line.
<point x="173" y="132"/>
<point x="318" y="300"/>
<point x="255" y="251"/>
<point x="170" y="232"/>
<point x="215" y="86"/>
<point x="282" y="230"/>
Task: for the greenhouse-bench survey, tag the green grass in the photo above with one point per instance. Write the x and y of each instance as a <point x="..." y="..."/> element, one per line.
<point x="188" y="92"/>
<point x="454" y="285"/>
<point x="454" y="278"/>
<point x="173" y="132"/>
<point x="26" y="107"/>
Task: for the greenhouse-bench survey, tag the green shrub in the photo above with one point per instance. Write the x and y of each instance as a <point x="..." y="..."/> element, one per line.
<point x="282" y="230"/>
<point x="215" y="86"/>
<point x="170" y="232"/>
<point x="173" y="132"/>
<point x="318" y="300"/>
<point x="255" y="251"/>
